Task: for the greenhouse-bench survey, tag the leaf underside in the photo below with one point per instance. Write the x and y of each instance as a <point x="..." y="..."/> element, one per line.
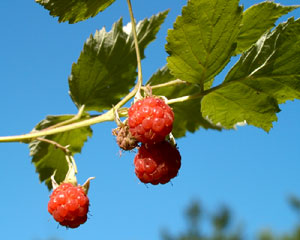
<point x="73" y="11"/>
<point x="47" y="158"/>
<point x="106" y="68"/>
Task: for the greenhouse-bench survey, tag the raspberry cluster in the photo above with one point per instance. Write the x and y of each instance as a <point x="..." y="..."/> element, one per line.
<point x="150" y="120"/>
<point x="69" y="205"/>
<point x="157" y="163"/>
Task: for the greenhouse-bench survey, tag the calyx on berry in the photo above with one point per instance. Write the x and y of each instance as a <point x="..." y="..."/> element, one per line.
<point x="150" y="120"/>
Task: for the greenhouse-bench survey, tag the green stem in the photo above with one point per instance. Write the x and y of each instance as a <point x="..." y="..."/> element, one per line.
<point x="108" y="116"/>
<point x="137" y="50"/>
<point x="195" y="96"/>
<point x="167" y="84"/>
<point x="184" y="98"/>
<point x="69" y="121"/>
<point x="55" y="144"/>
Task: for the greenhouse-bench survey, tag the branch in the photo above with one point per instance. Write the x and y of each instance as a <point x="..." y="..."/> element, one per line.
<point x="167" y="84"/>
<point x="108" y="116"/>
<point x="57" y="145"/>
<point x="137" y="50"/>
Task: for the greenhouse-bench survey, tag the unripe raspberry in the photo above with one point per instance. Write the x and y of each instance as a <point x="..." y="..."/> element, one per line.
<point x="125" y="140"/>
<point x="157" y="163"/>
<point x="69" y="205"/>
<point x="150" y="120"/>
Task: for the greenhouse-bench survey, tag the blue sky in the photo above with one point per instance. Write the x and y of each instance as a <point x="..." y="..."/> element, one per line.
<point x="249" y="170"/>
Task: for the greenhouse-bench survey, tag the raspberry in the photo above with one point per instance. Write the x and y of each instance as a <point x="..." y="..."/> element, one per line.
<point x="150" y="120"/>
<point x="69" y="205"/>
<point x="125" y="139"/>
<point x="157" y="163"/>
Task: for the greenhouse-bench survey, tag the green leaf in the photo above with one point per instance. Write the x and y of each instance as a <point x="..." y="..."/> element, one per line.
<point x="236" y="102"/>
<point x="267" y="74"/>
<point x="257" y="20"/>
<point x="188" y="116"/>
<point x="203" y="39"/>
<point x="47" y="158"/>
<point x="272" y="65"/>
<point x="106" y="68"/>
<point x="147" y="30"/>
<point x="74" y="10"/>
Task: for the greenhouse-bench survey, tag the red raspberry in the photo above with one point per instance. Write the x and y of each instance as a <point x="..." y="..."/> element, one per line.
<point x="150" y="120"/>
<point x="157" y="163"/>
<point x="69" y="205"/>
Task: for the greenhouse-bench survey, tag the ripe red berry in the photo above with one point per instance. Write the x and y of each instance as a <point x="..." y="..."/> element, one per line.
<point x="69" y="205"/>
<point x="150" y="120"/>
<point x="157" y="163"/>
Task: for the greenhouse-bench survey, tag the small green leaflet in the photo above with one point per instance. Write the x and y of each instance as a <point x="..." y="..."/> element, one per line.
<point x="203" y="39"/>
<point x="74" y="10"/>
<point x="267" y="74"/>
<point x="188" y="116"/>
<point x="47" y="158"/>
<point x="257" y="20"/>
<point x="106" y="68"/>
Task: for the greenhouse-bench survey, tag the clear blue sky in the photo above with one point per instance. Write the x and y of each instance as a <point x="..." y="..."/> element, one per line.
<point x="251" y="171"/>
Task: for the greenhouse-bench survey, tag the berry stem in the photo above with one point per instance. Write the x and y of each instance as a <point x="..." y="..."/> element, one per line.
<point x="137" y="50"/>
<point x="72" y="120"/>
<point x="194" y="96"/>
<point x="167" y="84"/>
<point x="57" y="145"/>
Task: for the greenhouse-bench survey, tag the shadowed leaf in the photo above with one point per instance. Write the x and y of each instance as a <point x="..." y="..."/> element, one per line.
<point x="74" y="10"/>
<point x="106" y="68"/>
<point x="47" y="158"/>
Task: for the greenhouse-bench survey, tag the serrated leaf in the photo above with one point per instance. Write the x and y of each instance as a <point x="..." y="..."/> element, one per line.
<point x="267" y="74"/>
<point x="203" y="39"/>
<point x="272" y="65"/>
<point x="106" y="68"/>
<point x="257" y="20"/>
<point x="147" y="30"/>
<point x="74" y="10"/>
<point x="236" y="102"/>
<point x="188" y="116"/>
<point x="47" y="158"/>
